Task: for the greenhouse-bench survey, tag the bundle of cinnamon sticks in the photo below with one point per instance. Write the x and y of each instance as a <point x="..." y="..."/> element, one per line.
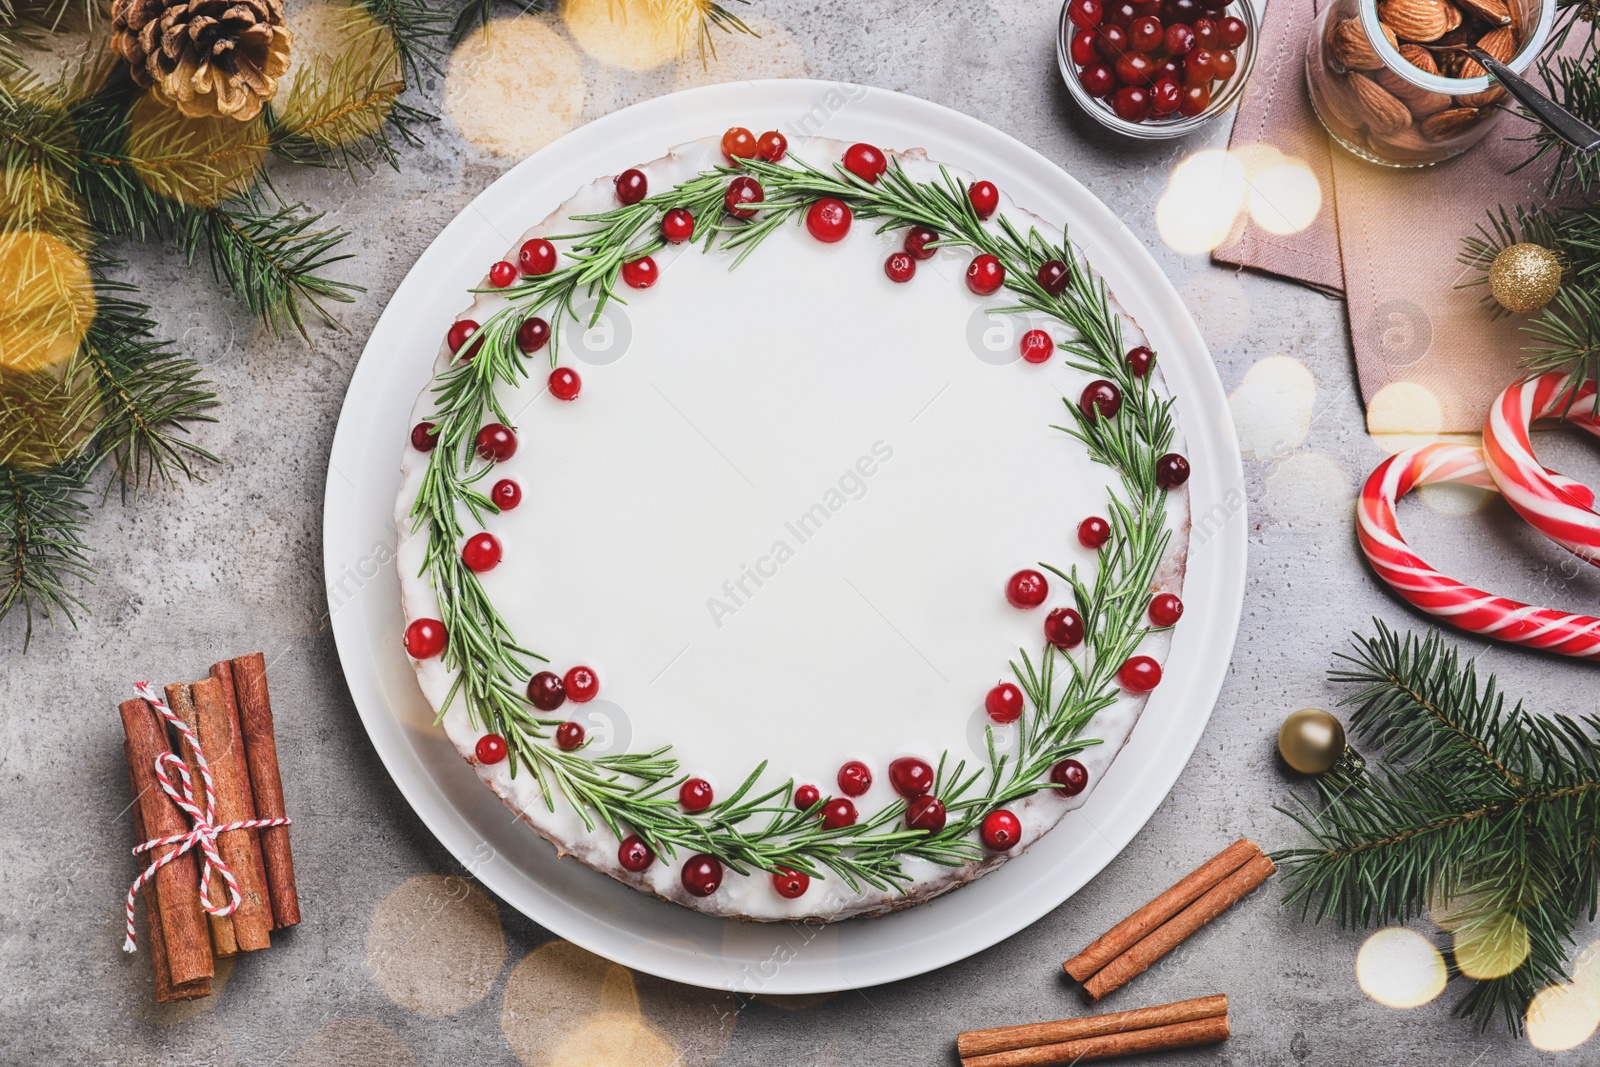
<point x="1202" y="1021"/>
<point x="231" y="713"/>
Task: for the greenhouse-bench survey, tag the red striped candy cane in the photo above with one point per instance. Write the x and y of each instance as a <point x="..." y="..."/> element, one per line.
<point x="1556" y="506"/>
<point x="1443" y="597"/>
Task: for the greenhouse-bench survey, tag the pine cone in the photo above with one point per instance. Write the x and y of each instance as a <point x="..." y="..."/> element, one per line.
<point x="205" y="57"/>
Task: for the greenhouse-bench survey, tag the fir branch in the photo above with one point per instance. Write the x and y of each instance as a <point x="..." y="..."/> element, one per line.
<point x="42" y="518"/>
<point x="477" y="14"/>
<point x="275" y="260"/>
<point x="414" y="26"/>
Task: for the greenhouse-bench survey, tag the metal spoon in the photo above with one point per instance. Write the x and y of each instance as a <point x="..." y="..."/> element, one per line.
<point x="1557" y="119"/>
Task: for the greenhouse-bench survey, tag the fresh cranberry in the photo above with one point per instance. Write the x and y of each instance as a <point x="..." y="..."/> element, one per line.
<point x="1063" y="628"/>
<point x="828" y="219"/>
<point x="805" y="796"/>
<point x="1070" y="777"/>
<point x="1165" y="609"/>
<point x="634" y="854"/>
<point x="1003" y="703"/>
<point x="1086" y="14"/>
<point x="569" y="735"/>
<point x="459" y="332"/>
<point x="865" y="162"/>
<point x="1227" y="63"/>
<point x="425" y="638"/>
<point x="1083" y="50"/>
<point x="1100" y="397"/>
<point x="1168" y="70"/>
<point x="582" y="684"/>
<point x="1053" y="277"/>
<point x="1146" y="33"/>
<point x="926" y="813"/>
<point x="743" y="197"/>
<point x="900" y="267"/>
<point x="917" y="242"/>
<point x="1172" y="470"/>
<point x="1131" y="103"/>
<point x="1139" y="360"/>
<point x="490" y="749"/>
<point x="537" y="256"/>
<point x="632" y="186"/>
<point x="702" y="875"/>
<point x="1036" y="346"/>
<point x="546" y="691"/>
<point x="838" y="813"/>
<point x="1196" y="98"/>
<point x="1094" y="532"/>
<point x="565" y="383"/>
<point x="481" y="552"/>
<point x="1199" y="67"/>
<point x="677" y="226"/>
<point x="985" y="275"/>
<point x="1165" y="97"/>
<point x="1097" y="79"/>
<point x="772" y="146"/>
<point x="424" y="437"/>
<point x="1001" y="831"/>
<point x="1231" y="31"/>
<point x="984" y="198"/>
<point x="506" y="494"/>
<point x="1206" y="34"/>
<point x="533" y="334"/>
<point x="1111" y="42"/>
<point x="1178" y="39"/>
<point x="1140" y="674"/>
<point x="1026" y="589"/>
<point x="739" y="143"/>
<point x="1185" y="11"/>
<point x="502" y="274"/>
<point x="855" y="778"/>
<point x="496" y="442"/>
<point x="695" y="794"/>
<point x="910" y="776"/>
<point x="790" y="883"/>
<point x="641" y="273"/>
<point x="1121" y="13"/>
<point x="1133" y="68"/>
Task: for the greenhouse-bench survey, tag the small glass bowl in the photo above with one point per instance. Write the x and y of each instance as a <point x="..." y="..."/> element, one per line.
<point x="1177" y="125"/>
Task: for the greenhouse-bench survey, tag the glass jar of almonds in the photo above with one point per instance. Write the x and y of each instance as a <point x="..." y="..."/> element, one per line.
<point x="1393" y="83"/>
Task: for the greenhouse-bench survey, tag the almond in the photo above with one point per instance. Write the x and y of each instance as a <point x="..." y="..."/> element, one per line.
<point x="1494" y="12"/>
<point x="1419" y="20"/>
<point x="1500" y="43"/>
<point x="1352" y="48"/>
<point x="1381" y="109"/>
<point x="1447" y="124"/>
<point x="1418" y="100"/>
<point x="1453" y="18"/>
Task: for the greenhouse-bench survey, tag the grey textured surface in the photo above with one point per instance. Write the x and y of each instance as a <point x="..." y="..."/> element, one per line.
<point x="206" y="570"/>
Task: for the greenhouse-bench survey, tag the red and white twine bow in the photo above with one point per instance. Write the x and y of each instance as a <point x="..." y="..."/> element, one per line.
<point x="202" y="810"/>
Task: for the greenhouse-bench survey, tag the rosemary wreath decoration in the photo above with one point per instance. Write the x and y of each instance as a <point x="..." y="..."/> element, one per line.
<point x="756" y="827"/>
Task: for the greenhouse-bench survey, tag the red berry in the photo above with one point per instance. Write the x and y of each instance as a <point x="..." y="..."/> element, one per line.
<point x="490" y="749"/>
<point x="1001" y="831"/>
<point x="1083" y="50"/>
<point x="918" y="238"/>
<point x="1100" y="396"/>
<point x="925" y="813"/>
<point x="496" y="442"/>
<point x="1063" y="628"/>
<point x="1053" y="277"/>
<point x="546" y="691"/>
<point x="1146" y="33"/>
<point x="838" y="813"/>
<point x="1132" y="103"/>
<point x="565" y="383"/>
<point x="702" y="874"/>
<point x="1165" y="97"/>
<point x="1231" y="32"/>
<point x="805" y="796"/>
<point x="1168" y="70"/>
<point x="1094" y="532"/>
<point x="900" y="267"/>
<point x="695" y="794"/>
<point x="1206" y="34"/>
<point x="1004" y="703"/>
<point x="677" y="226"/>
<point x="855" y="778"/>
<point x="985" y="275"/>
<point x="533" y="334"/>
<point x="538" y="256"/>
<point x="790" y="883"/>
<point x="569" y="735"/>
<point x="506" y="494"/>
<point x="1026" y="589"/>
<point x="1133" y="68"/>
<point x="502" y="274"/>
<point x="1086" y="14"/>
<point x="1196" y="98"/>
<point x="481" y="552"/>
<point x="1097" y="79"/>
<point x="1199" y="67"/>
<point x="632" y="186"/>
<point x="1069" y="777"/>
<point x="828" y="219"/>
<point x="1179" y="39"/>
<point x="634" y="854"/>
<point x="1165" y="609"/>
<point x="640" y="273"/>
<point x="1172" y="470"/>
<point x="1140" y="674"/>
<point x="1121" y="13"/>
<point x="1037" y="346"/>
<point x="1111" y="42"/>
<point x="743" y="196"/>
<point x="910" y="776"/>
<point x="865" y="162"/>
<point x="424" y="437"/>
<point x="984" y="198"/>
<point x="1185" y="11"/>
<point x="425" y="638"/>
<point x="582" y="684"/>
<point x="1227" y="64"/>
<point x="1139" y="360"/>
<point x="772" y="146"/>
<point x="459" y="332"/>
<point x="739" y="143"/>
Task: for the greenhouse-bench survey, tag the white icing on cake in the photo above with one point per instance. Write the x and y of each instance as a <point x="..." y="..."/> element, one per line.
<point x="779" y="525"/>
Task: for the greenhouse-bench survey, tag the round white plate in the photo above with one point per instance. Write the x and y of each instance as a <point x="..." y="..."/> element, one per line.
<point x="605" y="916"/>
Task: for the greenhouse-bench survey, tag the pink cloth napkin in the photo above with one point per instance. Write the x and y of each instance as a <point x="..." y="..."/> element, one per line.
<point x="1429" y="356"/>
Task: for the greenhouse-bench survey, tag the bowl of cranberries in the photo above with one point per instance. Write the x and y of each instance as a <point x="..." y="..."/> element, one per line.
<point x="1156" y="68"/>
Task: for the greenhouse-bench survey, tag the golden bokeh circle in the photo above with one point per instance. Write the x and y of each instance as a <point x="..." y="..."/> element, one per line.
<point x="435" y="945"/>
<point x="352" y="1043"/>
<point x="198" y="161"/>
<point x="37" y="198"/>
<point x="632" y="34"/>
<point x="623" y="1039"/>
<point x="550" y="994"/>
<point x="47" y="301"/>
<point x="1562" y="1017"/>
<point x="343" y="47"/>
<point x="514" y="86"/>
<point x="1491" y="946"/>
<point x="48" y="416"/>
<point x="1399" y="968"/>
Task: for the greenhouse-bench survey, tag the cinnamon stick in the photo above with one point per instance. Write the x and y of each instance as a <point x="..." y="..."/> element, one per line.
<point x="177" y="885"/>
<point x="1207" y="1031"/>
<point x="1030" y="1035"/>
<point x="252" y="919"/>
<point x="1176" y="930"/>
<point x="1135" y="927"/>
<point x="223" y="673"/>
<point x="155" y="941"/>
<point x="261" y="753"/>
<point x="181" y="700"/>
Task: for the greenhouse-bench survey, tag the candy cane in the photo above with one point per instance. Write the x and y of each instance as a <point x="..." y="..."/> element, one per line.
<point x="1455" y="602"/>
<point x="1556" y="506"/>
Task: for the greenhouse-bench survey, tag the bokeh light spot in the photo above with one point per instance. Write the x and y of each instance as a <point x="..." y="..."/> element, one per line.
<point x="343" y="75"/>
<point x="1561" y="1017"/>
<point x="1491" y="946"/>
<point x="47" y="301"/>
<point x="515" y="86"/>
<point x="1202" y="202"/>
<point x="1400" y="968"/>
<point x="201" y="161"/>
<point x="435" y="945"/>
<point x="1272" y="407"/>
<point x="631" y="34"/>
<point x="1285" y="199"/>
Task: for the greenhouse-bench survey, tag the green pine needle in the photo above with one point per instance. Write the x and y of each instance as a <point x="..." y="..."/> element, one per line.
<point x="42" y="518"/>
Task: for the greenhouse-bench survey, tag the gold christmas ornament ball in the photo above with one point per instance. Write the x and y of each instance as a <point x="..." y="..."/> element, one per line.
<point x="1525" y="277"/>
<point x="1311" y="740"/>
